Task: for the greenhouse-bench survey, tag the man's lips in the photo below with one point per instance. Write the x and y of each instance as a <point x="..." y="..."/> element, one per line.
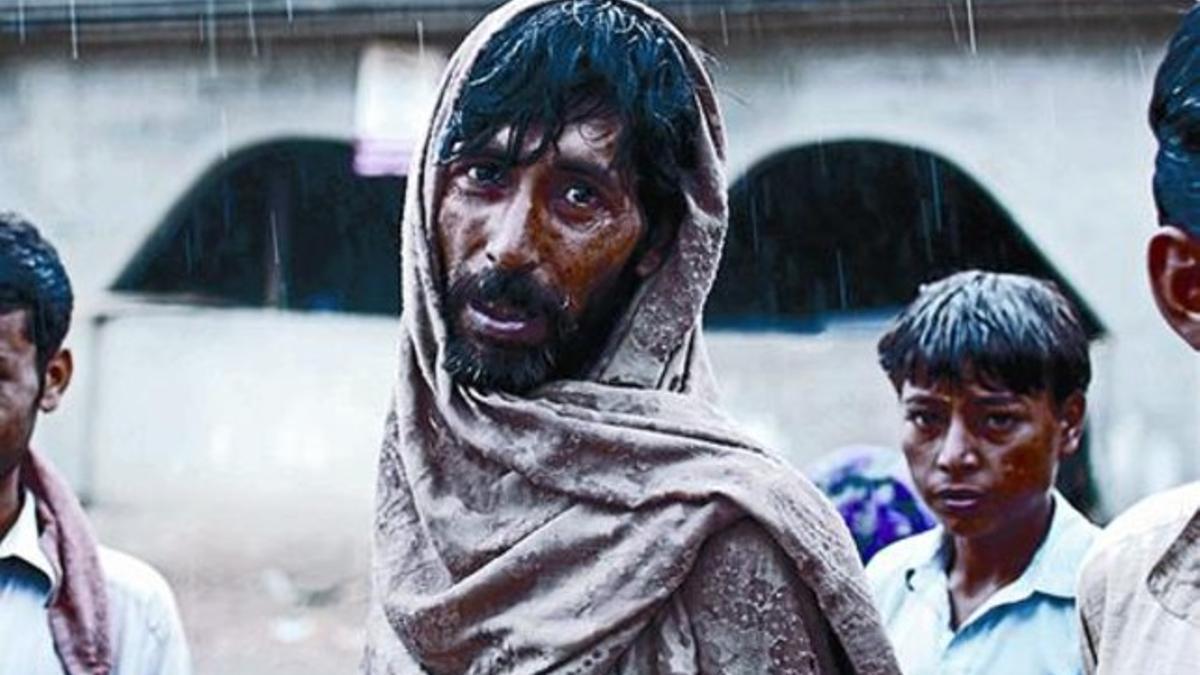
<point x="505" y="324"/>
<point x="958" y="499"/>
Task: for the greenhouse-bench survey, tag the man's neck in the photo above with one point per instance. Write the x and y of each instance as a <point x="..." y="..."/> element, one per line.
<point x="10" y="500"/>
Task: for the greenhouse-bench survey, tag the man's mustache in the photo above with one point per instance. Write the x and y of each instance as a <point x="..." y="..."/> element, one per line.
<point x="516" y="291"/>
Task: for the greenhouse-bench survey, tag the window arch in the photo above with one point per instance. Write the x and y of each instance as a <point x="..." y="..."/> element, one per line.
<point x="855" y="226"/>
<point x="285" y="224"/>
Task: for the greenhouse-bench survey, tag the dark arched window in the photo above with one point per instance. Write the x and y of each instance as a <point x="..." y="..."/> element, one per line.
<point x="855" y="226"/>
<point x="286" y="224"/>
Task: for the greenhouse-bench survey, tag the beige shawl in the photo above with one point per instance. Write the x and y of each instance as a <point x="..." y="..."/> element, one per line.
<point x="548" y="533"/>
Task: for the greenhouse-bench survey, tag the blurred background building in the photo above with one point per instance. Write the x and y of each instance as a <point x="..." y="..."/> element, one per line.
<point x="224" y="179"/>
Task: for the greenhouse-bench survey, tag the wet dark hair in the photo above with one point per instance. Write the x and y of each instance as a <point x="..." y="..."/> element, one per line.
<point x="1175" y="120"/>
<point x="1001" y="329"/>
<point x="32" y="278"/>
<point x="569" y="61"/>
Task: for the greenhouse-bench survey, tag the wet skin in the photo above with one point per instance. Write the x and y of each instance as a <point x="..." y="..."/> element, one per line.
<point x="21" y="397"/>
<point x="570" y="222"/>
<point x="984" y="459"/>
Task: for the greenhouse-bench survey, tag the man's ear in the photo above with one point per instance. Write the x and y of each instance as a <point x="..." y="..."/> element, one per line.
<point x="1173" y="261"/>
<point x="1071" y="415"/>
<point x="56" y="380"/>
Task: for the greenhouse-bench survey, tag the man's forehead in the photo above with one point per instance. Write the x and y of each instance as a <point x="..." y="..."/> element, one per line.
<point x="596" y="139"/>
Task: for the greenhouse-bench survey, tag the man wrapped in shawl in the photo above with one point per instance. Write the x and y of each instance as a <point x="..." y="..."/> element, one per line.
<point x="557" y="491"/>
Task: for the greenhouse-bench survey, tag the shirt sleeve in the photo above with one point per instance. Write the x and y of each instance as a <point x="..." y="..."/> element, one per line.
<point x="751" y="613"/>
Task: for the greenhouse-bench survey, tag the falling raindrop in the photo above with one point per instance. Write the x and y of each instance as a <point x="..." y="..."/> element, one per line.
<point x="275" y="239"/>
<point x="214" y="66"/>
<point x="971" y="26"/>
<point x="74" y="31"/>
<point x="926" y="235"/>
<point x="953" y="23"/>
<point x="289" y="11"/>
<point x="421" y="40"/>
<point x="278" y="291"/>
<point x="724" y="27"/>
<point x="251" y="29"/>
<point x="21" y="20"/>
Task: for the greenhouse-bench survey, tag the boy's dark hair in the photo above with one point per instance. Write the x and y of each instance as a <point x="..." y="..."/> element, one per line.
<point x="1001" y="329"/>
<point x="565" y="62"/>
<point x="1175" y="120"/>
<point x="32" y="278"/>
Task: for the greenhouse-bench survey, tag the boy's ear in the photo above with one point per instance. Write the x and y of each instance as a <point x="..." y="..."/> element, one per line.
<point x="56" y="380"/>
<point x="1071" y="416"/>
<point x="1173" y="263"/>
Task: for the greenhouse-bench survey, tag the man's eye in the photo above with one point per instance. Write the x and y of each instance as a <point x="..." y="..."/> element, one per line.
<point x="485" y="173"/>
<point x="580" y="195"/>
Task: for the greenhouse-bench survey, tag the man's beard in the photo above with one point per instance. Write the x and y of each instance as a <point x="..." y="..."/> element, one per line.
<point x="514" y="368"/>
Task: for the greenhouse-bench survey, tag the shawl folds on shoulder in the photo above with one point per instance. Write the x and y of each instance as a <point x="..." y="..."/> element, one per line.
<point x="548" y="532"/>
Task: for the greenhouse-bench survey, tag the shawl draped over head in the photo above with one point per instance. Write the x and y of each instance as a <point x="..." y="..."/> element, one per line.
<point x="548" y="532"/>
<point x="79" y="620"/>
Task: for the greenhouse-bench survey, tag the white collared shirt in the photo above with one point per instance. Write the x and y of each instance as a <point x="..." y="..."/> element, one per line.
<point x="1027" y="627"/>
<point x="148" y="635"/>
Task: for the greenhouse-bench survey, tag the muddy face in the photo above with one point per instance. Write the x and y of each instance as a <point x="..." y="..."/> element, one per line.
<point x="538" y="256"/>
<point x="983" y="456"/>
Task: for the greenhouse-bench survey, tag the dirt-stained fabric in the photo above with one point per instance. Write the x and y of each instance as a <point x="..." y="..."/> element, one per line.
<point x="556" y="531"/>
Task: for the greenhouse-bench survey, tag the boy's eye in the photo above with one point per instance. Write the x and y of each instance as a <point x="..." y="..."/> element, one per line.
<point x="1000" y="421"/>
<point x="921" y="419"/>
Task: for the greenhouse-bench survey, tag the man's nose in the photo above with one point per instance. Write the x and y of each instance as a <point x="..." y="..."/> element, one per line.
<point x="512" y="242"/>
<point x="958" y="452"/>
